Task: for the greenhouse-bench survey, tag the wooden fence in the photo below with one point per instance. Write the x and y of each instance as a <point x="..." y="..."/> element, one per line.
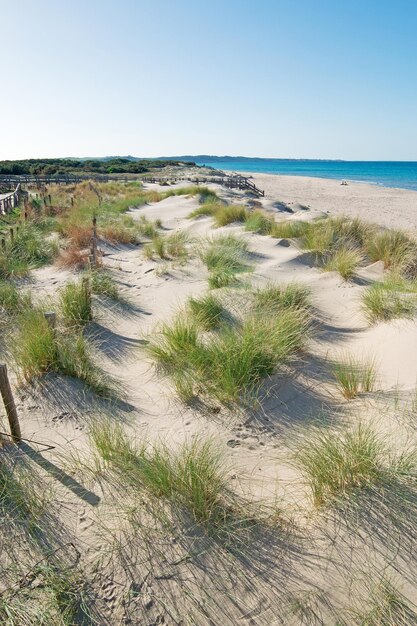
<point x="10" y="201"/>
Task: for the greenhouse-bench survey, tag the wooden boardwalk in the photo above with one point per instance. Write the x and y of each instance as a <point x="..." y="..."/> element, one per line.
<point x="10" y="200"/>
<point x="234" y="181"/>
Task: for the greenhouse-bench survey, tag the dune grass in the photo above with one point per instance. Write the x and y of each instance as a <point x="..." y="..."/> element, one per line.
<point x="208" y="209"/>
<point x="59" y="598"/>
<point x="336" y="466"/>
<point x="289" y="229"/>
<point x="38" y="349"/>
<point x="224" y="257"/>
<point x="29" y="249"/>
<point x="259" y="222"/>
<point x="12" y="300"/>
<point x="386" y="606"/>
<point x="174" y="246"/>
<point x="345" y="261"/>
<point x="207" y="311"/>
<point x="103" y="284"/>
<point x="75" y="302"/>
<point x="229" y="214"/>
<point x="192" y="480"/>
<point x="354" y="376"/>
<point x="394" y="248"/>
<point x="232" y="366"/>
<point x="275" y="297"/>
<point x="391" y="298"/>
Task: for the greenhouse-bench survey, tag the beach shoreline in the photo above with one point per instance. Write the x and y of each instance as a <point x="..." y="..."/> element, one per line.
<point x="387" y="206"/>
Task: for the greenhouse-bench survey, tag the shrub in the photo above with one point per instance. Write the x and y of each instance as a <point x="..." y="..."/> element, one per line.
<point x="73" y="258"/>
<point x="75" y="302"/>
<point x="206" y="311"/>
<point x="354" y="376"/>
<point x="176" y="245"/>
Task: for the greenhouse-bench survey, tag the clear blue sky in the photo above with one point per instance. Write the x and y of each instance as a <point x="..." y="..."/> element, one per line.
<point x="283" y="78"/>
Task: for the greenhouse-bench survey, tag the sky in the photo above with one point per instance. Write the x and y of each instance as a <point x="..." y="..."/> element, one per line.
<point x="329" y="79"/>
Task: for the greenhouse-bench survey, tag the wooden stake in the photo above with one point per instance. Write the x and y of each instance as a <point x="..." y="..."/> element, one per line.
<point x="9" y="405"/>
<point x="50" y="317"/>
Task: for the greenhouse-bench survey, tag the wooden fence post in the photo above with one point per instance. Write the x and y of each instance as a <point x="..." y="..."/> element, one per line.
<point x="87" y="289"/>
<point x="50" y="317"/>
<point x="93" y="255"/>
<point x="9" y="405"/>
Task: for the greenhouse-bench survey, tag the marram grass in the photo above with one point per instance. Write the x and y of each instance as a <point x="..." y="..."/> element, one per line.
<point x="391" y="298"/>
<point x="206" y="311"/>
<point x="354" y="376"/>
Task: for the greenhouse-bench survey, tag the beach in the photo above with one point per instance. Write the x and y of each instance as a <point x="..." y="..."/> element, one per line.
<point x="393" y="208"/>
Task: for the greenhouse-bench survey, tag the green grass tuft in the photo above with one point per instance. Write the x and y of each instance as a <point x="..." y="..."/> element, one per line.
<point x="75" y="303"/>
<point x="103" y="284"/>
<point x="389" y="299"/>
<point x="224" y="257"/>
<point x="260" y="222"/>
<point x="354" y="376"/>
<point x="206" y="311"/>
<point x="229" y="214"/>
<point x="274" y="297"/>
<point x="345" y="261"/>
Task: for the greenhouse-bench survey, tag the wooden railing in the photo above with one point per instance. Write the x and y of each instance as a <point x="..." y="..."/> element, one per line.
<point x="8" y="203"/>
<point x="235" y="181"/>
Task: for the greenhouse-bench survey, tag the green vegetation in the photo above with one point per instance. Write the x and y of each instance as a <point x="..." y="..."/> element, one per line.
<point x="228" y="214"/>
<point x="345" y="261"/>
<point x="337" y="466"/>
<point x="207" y="209"/>
<point x="75" y="303"/>
<point x="84" y="167"/>
<point x="172" y="246"/>
<point x="192" y="480"/>
<point x="11" y="299"/>
<point x="224" y="257"/>
<point x="28" y="249"/>
<point x="234" y="363"/>
<point x="38" y="349"/>
<point x="386" y="606"/>
<point x="354" y="376"/>
<point x="206" y="311"/>
<point x="289" y="229"/>
<point x="103" y="284"/>
<point x="394" y="297"/>
<point x="274" y="297"/>
<point x="260" y="222"/>
<point x="394" y="248"/>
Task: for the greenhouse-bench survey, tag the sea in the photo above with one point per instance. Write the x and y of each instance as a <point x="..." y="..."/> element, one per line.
<point x="400" y="174"/>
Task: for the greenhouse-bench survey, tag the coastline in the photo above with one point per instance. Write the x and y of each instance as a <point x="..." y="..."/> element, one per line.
<point x="389" y="206"/>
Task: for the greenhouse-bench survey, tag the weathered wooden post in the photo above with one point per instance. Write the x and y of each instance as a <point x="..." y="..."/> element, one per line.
<point x="50" y="317"/>
<point x="93" y="255"/>
<point x="87" y="292"/>
<point x="9" y="404"/>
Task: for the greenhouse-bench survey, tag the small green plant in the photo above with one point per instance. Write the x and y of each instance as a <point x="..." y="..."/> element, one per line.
<point x="103" y="284"/>
<point x="389" y="299"/>
<point x="206" y="311"/>
<point x="176" y="245"/>
<point x="229" y="214"/>
<point x="232" y="366"/>
<point x="224" y="257"/>
<point x="338" y="465"/>
<point x="28" y="249"/>
<point x="289" y="229"/>
<point x="260" y="222"/>
<point x="191" y="480"/>
<point x="38" y="349"/>
<point x="274" y="297"/>
<point x="11" y="299"/>
<point x="75" y="303"/>
<point x="394" y="248"/>
<point x="148" y="229"/>
<point x="209" y="209"/>
<point x="345" y="261"/>
<point x="354" y="376"/>
<point x="386" y="606"/>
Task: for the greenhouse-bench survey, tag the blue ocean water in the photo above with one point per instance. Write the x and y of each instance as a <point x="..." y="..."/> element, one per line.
<point x="402" y="174"/>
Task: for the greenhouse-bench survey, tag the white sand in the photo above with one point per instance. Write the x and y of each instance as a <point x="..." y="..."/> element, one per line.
<point x="262" y="444"/>
<point x="395" y="208"/>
